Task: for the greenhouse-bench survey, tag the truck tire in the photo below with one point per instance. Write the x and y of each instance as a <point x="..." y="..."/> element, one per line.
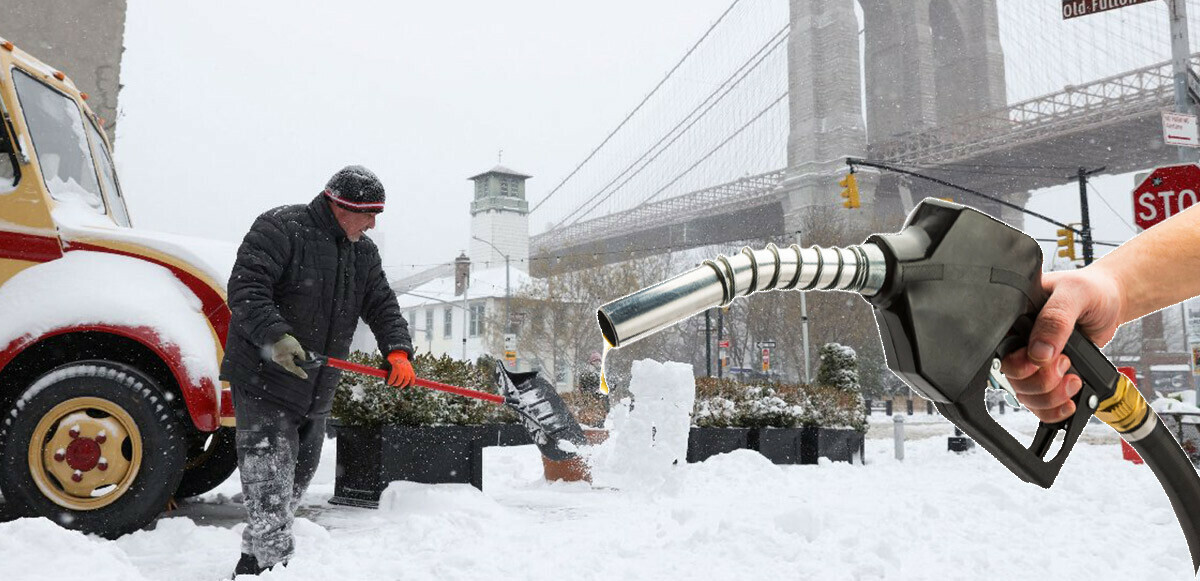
<point x="212" y="458"/>
<point x="95" y="446"/>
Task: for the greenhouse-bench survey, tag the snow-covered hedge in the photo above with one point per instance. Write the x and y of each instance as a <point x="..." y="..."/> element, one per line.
<point x="724" y="403"/>
<point x="363" y="400"/>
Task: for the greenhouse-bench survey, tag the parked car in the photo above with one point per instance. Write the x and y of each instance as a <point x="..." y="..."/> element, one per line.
<point x="110" y="336"/>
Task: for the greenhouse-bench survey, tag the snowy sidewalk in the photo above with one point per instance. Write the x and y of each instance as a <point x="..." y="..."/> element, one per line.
<point x="934" y="516"/>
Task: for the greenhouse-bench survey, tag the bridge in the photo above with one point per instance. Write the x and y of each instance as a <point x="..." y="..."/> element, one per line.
<point x="1005" y="149"/>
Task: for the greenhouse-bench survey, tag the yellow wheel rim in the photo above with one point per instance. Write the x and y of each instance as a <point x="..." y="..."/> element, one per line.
<point x="85" y="453"/>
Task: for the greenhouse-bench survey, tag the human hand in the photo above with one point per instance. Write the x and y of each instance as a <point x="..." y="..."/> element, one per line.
<point x="400" y="370"/>
<point x="286" y="351"/>
<point x="1089" y="298"/>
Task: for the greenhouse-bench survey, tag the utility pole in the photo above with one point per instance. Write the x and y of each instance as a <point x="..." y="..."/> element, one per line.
<point x="1179" y="63"/>
<point x="1085" y="230"/>
<point x="804" y="325"/>
<point x="708" y="341"/>
<point x="720" y="339"/>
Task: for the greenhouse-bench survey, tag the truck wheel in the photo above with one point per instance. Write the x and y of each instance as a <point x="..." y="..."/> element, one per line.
<point x="211" y="459"/>
<point x="93" y="446"/>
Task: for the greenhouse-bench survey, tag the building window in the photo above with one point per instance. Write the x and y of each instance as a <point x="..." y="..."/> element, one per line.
<point x="476" y="324"/>
<point x="480" y="188"/>
<point x="447" y="323"/>
<point x="428" y="324"/>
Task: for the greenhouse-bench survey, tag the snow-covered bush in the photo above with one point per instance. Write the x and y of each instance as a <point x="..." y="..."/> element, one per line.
<point x="839" y="367"/>
<point x="363" y="400"/>
<point x="724" y="403"/>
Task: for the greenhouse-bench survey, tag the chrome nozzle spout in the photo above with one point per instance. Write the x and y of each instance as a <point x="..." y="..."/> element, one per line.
<point x="859" y="268"/>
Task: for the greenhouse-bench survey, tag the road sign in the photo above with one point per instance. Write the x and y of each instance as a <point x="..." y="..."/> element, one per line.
<point x="511" y="356"/>
<point x="1076" y="8"/>
<point x="1180" y="129"/>
<point x="1165" y="192"/>
<point x="765" y="344"/>
<point x="723" y="343"/>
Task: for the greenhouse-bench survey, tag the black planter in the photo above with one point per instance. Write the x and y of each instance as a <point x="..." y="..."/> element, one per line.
<point x="780" y="445"/>
<point x="370" y="458"/>
<point x="704" y="443"/>
<point x="841" y="445"/>
<point x="786" y="445"/>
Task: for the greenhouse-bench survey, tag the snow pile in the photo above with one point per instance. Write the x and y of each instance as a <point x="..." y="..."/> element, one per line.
<point x="95" y="288"/>
<point x="936" y="515"/>
<point x="40" y="549"/>
<point x="648" y="435"/>
<point x="411" y="498"/>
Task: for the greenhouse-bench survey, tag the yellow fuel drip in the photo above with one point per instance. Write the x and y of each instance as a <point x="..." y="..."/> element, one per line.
<point x="603" y="360"/>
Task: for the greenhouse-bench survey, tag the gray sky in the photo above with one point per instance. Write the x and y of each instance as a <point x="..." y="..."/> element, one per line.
<point x="230" y="108"/>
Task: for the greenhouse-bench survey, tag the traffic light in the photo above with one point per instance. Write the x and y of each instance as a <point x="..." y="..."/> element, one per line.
<point x="1066" y="243"/>
<point x="850" y="183"/>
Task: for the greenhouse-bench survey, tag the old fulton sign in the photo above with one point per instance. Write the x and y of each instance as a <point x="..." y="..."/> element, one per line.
<point x="1073" y="8"/>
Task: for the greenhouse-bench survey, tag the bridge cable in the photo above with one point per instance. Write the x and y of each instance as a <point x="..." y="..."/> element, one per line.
<point x="707" y="105"/>
<point x="637" y="108"/>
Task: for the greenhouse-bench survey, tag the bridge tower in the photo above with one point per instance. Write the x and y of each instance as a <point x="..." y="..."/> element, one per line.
<point x="927" y="62"/>
<point x="500" y="218"/>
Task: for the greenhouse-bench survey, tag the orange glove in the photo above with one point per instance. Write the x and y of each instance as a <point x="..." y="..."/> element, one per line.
<point x="401" y="374"/>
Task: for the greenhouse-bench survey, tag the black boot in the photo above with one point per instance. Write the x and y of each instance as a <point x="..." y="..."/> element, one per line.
<point x="248" y="565"/>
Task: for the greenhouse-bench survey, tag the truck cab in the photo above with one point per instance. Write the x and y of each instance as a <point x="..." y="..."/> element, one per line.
<point x="110" y="336"/>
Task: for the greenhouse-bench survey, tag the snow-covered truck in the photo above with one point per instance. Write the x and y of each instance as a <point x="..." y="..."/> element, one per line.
<point x="110" y="336"/>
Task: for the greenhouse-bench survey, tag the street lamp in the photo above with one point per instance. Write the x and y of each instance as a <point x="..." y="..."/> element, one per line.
<point x="507" y="287"/>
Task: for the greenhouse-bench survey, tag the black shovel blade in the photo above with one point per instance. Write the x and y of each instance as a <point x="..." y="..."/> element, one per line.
<point x="542" y="411"/>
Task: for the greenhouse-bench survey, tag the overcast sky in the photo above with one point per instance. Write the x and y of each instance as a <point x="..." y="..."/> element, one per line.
<point x="230" y="108"/>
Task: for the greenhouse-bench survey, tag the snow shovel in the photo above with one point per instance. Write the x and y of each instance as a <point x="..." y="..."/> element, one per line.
<point x="541" y="410"/>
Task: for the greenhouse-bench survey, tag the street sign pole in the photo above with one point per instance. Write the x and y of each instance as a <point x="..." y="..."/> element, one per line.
<point x="1179" y="63"/>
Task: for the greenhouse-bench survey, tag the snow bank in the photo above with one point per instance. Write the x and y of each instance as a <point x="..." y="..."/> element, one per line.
<point x="648" y="435"/>
<point x="118" y="291"/>
<point x="35" y="548"/>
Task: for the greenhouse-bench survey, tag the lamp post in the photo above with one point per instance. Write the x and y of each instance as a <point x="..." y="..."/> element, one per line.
<point x="507" y="283"/>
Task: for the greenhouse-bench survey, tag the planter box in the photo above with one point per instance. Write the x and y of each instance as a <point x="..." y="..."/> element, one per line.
<point x="704" y="443"/>
<point x="370" y="458"/>
<point x="780" y="445"/>
<point x="841" y="445"/>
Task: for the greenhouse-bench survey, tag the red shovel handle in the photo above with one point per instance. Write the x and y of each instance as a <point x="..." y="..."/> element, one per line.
<point x="367" y="370"/>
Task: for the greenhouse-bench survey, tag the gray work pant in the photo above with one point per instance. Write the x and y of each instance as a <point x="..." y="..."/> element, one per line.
<point x="278" y="451"/>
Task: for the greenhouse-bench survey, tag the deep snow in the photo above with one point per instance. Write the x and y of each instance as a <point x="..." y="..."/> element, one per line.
<point x="936" y="515"/>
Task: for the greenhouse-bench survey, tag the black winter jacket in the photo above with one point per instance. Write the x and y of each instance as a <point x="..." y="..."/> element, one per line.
<point x="296" y="272"/>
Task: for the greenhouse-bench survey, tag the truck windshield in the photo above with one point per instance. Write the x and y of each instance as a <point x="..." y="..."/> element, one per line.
<point x="60" y="142"/>
<point x="112" y="188"/>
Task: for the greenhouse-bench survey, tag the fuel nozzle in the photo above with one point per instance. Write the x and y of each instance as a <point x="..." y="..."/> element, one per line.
<point x="858" y="268"/>
<point x="953" y="292"/>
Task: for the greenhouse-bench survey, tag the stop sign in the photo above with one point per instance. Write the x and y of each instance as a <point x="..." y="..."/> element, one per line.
<point x="1165" y="192"/>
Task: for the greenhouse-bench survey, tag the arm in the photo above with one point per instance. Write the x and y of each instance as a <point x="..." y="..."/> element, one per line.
<point x="1152" y="271"/>
<point x="381" y="311"/>
<point x="260" y="263"/>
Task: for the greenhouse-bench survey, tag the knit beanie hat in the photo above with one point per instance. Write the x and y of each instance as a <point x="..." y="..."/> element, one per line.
<point x="356" y="189"/>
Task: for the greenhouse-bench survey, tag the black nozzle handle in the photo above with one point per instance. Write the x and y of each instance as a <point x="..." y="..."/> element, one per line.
<point x="1031" y="463"/>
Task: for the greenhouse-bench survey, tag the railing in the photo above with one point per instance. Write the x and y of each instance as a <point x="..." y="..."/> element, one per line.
<point x="1102" y="101"/>
<point x="744" y="192"/>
